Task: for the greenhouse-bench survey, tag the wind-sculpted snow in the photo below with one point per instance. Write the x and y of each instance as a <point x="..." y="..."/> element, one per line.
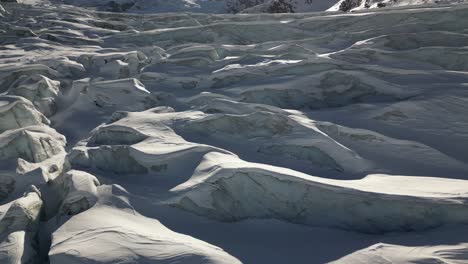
<point x="280" y="138"/>
<point x="132" y="238"/>
<point x="140" y="143"/>
<point x="227" y="188"/>
<point x="388" y="253"/>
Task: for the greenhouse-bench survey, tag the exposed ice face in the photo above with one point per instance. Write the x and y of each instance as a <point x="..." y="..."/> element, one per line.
<point x="116" y="135"/>
<point x="278" y="135"/>
<point x="18" y="229"/>
<point x="117" y="159"/>
<point x="34" y="143"/>
<point x="12" y="73"/>
<point x="114" y="65"/>
<point x="254" y="125"/>
<point x="80" y="192"/>
<point x="354" y="138"/>
<point x="40" y="90"/>
<point x="16" y="112"/>
<point x="140" y="143"/>
<point x="129" y="93"/>
<point x="226" y="188"/>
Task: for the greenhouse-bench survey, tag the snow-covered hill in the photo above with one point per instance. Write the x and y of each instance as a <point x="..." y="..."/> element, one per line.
<point x="219" y="138"/>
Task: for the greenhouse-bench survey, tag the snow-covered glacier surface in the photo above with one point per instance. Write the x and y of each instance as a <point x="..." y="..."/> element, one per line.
<point x="252" y="138"/>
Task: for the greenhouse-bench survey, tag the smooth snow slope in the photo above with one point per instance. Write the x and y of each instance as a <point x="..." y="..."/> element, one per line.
<point x="253" y="138"/>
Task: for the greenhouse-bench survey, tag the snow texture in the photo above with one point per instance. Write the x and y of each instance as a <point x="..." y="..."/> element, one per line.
<point x="190" y="134"/>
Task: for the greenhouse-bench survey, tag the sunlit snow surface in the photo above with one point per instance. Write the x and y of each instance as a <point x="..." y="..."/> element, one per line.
<point x="253" y="138"/>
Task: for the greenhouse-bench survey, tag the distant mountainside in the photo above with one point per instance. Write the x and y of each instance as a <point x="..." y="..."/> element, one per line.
<point x="279" y="6"/>
<point x="349" y="5"/>
<point x="244" y="6"/>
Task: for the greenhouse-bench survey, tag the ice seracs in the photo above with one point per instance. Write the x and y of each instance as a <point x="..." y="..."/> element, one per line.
<point x="273" y="136"/>
<point x="226" y="188"/>
<point x="33" y="143"/>
<point x="80" y="192"/>
<point x="434" y="160"/>
<point x="117" y="65"/>
<point x="17" y="112"/>
<point x="18" y="229"/>
<point x="277" y="136"/>
<point x="40" y="90"/>
<point x="123" y="94"/>
<point x="140" y="143"/>
<point x="11" y="73"/>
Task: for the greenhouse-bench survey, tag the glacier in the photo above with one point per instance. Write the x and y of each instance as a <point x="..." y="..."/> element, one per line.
<point x="212" y="131"/>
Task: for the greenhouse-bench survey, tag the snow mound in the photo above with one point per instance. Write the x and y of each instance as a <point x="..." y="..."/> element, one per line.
<point x="117" y="228"/>
<point x="254" y="125"/>
<point x="117" y="65"/>
<point x="66" y="66"/>
<point x="226" y="188"/>
<point x="214" y="103"/>
<point x="126" y="94"/>
<point x="140" y="143"/>
<point x="81" y="192"/>
<point x="276" y="135"/>
<point x="135" y="140"/>
<point x="332" y="88"/>
<point x="357" y="138"/>
<point x="398" y="254"/>
<point x="116" y="135"/>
